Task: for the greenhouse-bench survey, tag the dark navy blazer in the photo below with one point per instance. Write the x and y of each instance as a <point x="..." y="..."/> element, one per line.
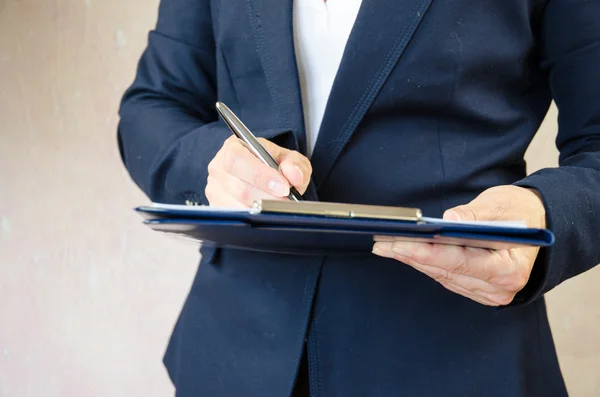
<point x="434" y="102"/>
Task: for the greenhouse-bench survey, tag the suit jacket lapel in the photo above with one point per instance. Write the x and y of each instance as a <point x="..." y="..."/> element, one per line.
<point x="272" y="25"/>
<point x="380" y="35"/>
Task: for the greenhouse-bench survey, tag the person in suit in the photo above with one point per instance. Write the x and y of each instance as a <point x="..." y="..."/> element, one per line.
<point x="420" y="103"/>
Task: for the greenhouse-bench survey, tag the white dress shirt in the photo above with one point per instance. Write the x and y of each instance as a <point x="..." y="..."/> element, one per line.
<point x="321" y="30"/>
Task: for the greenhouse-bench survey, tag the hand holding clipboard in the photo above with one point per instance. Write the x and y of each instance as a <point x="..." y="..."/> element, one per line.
<point x="301" y="227"/>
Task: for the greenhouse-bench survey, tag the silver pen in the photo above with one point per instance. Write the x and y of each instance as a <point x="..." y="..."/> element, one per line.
<point x="250" y="141"/>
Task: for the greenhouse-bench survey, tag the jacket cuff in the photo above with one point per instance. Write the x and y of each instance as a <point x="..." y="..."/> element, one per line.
<point x="548" y="268"/>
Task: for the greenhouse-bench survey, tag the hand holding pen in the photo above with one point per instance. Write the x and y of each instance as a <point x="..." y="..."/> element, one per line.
<point x="241" y="172"/>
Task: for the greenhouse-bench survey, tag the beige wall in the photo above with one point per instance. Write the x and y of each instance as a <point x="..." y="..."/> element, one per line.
<point x="88" y="296"/>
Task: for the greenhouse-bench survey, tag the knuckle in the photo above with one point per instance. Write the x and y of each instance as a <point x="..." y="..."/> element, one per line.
<point x="209" y="195"/>
<point x="462" y="266"/>
<point x="229" y="140"/>
<point x="505" y="283"/>
<point x="244" y="192"/>
<point x="257" y="177"/>
<point x="471" y="213"/>
<point x="502" y="207"/>
<point x="513" y="282"/>
<point x="441" y="276"/>
<point x="422" y="257"/>
<point x="212" y="166"/>
<point x="503" y="299"/>
<point x="230" y="156"/>
<point x="426" y="254"/>
<point x="209" y="190"/>
<point x="209" y="183"/>
<point x="519" y="280"/>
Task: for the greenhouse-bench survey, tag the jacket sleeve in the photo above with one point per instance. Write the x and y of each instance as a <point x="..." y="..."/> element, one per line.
<point x="570" y="40"/>
<point x="168" y="130"/>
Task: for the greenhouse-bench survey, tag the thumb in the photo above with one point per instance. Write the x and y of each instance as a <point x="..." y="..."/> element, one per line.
<point x="474" y="211"/>
<point x="276" y="151"/>
<point x="295" y="174"/>
<point x="502" y="203"/>
<point x="293" y="165"/>
<point x="460" y="213"/>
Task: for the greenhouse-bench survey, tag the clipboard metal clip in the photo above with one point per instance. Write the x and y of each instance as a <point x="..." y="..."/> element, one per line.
<point x="338" y="210"/>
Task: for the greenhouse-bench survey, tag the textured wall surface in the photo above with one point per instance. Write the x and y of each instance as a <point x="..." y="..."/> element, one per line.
<point x="88" y="296"/>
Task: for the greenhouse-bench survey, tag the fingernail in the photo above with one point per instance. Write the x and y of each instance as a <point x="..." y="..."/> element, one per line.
<point x="300" y="171"/>
<point x="382" y="249"/>
<point x="451" y="215"/>
<point x="278" y="188"/>
<point x="377" y="251"/>
<point x="376" y="248"/>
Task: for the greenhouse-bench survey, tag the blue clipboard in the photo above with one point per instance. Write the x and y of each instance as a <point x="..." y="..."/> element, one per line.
<point x="311" y="234"/>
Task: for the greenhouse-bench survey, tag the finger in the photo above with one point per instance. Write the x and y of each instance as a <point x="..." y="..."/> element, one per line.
<point x="281" y="154"/>
<point x="467" y="294"/>
<point x="295" y="175"/>
<point x="476" y="287"/>
<point x="475" y="262"/>
<point x="383" y="238"/>
<point x="490" y="300"/>
<point x="225" y="200"/>
<point x="490" y="205"/>
<point x="508" y="203"/>
<point x="245" y="193"/>
<point x="442" y="275"/>
<point x="295" y="166"/>
<point x="480" y="211"/>
<point x="240" y="163"/>
<point x="383" y="249"/>
<point x="217" y="196"/>
<point x="469" y="287"/>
